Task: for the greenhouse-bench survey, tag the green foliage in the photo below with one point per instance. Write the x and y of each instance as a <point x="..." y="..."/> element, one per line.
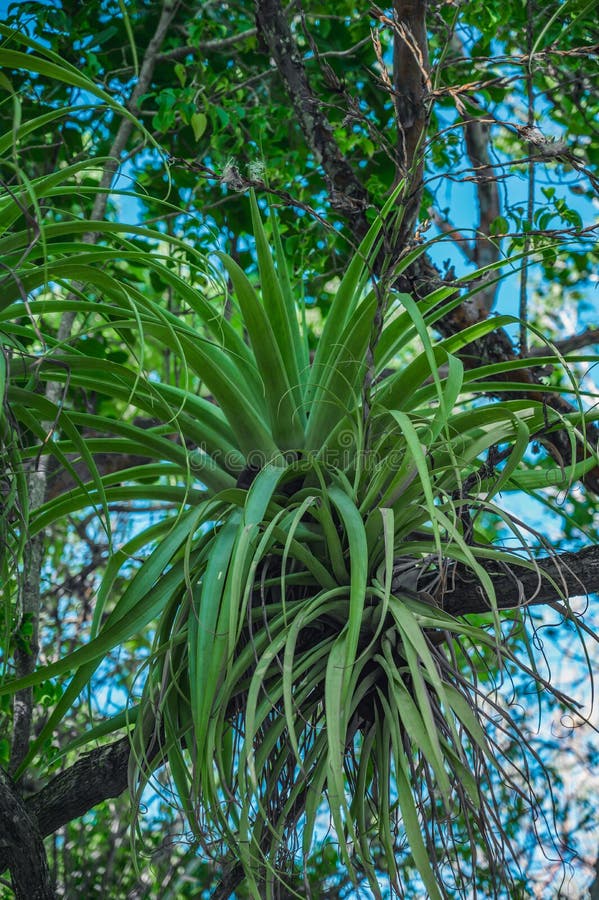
<point x="289" y="661"/>
<point x="285" y="664"/>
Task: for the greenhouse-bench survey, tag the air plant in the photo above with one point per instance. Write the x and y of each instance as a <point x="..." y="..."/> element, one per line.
<point x="329" y="503"/>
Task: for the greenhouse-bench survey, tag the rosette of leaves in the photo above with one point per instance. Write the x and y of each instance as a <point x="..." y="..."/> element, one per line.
<point x="302" y="650"/>
<point x="301" y="653"/>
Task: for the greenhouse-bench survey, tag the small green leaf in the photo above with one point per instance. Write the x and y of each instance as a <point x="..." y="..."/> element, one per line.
<point x="499" y="225"/>
<point x="198" y="123"/>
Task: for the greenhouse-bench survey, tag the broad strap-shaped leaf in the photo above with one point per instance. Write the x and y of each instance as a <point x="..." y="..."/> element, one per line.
<point x="348" y="295"/>
<point x="278" y="301"/>
<point x="281" y="398"/>
<point x="338" y="389"/>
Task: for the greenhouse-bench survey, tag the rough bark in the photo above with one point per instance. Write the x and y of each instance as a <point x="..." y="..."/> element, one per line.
<point x="561" y="576"/>
<point x="95" y="777"/>
<point x="412" y="88"/>
<point x="346" y="192"/>
<point x="486" y="249"/>
<point x="22" y="847"/>
<point x="26" y="651"/>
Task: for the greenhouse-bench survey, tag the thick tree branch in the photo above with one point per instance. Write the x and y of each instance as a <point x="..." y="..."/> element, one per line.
<point x="346" y="192"/>
<point x="561" y="576"/>
<point x="26" y="650"/>
<point x="410" y="78"/>
<point x="95" y="777"/>
<point x="486" y="249"/>
<point x="412" y="87"/>
<point x="21" y="846"/>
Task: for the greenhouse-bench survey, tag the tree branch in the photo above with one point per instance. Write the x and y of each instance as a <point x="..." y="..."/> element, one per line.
<point x="565" y="574"/>
<point x="446" y="227"/>
<point x="476" y="138"/>
<point x="566" y="345"/>
<point x="169" y="8"/>
<point x="214" y="46"/>
<point x="486" y="249"/>
<point x="347" y="193"/>
<point x="412" y="87"/>
<point x="61" y="480"/>
<point x="96" y="776"/>
<point x="410" y="76"/>
<point x="21" y="846"/>
<point x="27" y="650"/>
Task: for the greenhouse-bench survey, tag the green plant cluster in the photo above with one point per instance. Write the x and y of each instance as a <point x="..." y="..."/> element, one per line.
<point x="328" y="503"/>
